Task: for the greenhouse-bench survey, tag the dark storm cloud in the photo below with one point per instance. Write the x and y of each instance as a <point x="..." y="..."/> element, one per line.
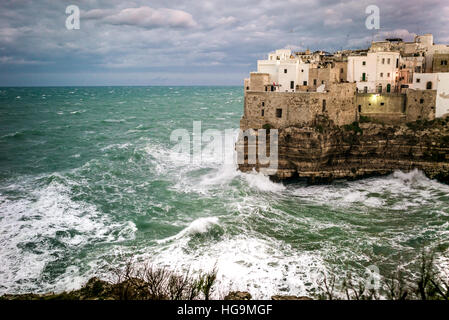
<point x="188" y="42"/>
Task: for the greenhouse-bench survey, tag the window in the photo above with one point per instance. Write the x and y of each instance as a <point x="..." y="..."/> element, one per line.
<point x="272" y="88"/>
<point x="324" y="105"/>
<point x="263" y="104"/>
<point x="292" y="84"/>
<point x="322" y="81"/>
<point x="381" y="74"/>
<point x="388" y="61"/>
<point x="266" y="88"/>
<point x="341" y="70"/>
<point x="302" y="70"/>
<point x="279" y="113"/>
<point x="444" y="62"/>
<point x="421" y="100"/>
<point x="383" y="60"/>
<point x="388" y="75"/>
<point x="247" y="88"/>
<point x="314" y="82"/>
<point x="364" y="63"/>
<point x="364" y="76"/>
<point x="304" y="83"/>
<point x="429" y="85"/>
<point x="263" y="112"/>
<point x="365" y="89"/>
<point x="418" y="80"/>
<point x="382" y="103"/>
<point x="285" y="70"/>
<point x="360" y="108"/>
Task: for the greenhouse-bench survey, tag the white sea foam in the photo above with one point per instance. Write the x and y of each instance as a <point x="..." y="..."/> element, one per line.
<point x="262" y="182"/>
<point x="36" y="230"/>
<point x="200" y="225"/>
<point x="247" y="263"/>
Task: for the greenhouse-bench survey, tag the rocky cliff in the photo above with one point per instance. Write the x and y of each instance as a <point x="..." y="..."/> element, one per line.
<point x="320" y="151"/>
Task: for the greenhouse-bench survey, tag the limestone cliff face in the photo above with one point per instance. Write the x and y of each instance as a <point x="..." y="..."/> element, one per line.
<point x="321" y="151"/>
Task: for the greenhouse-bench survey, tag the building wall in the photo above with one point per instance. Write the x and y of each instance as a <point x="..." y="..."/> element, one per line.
<point x="369" y="103"/>
<point x="442" y="95"/>
<point x="440" y="62"/>
<point x="303" y="74"/>
<point x="258" y="81"/>
<point x="297" y="72"/>
<point x="319" y="76"/>
<point x="286" y="79"/>
<point x="299" y="107"/>
<point x="421" y="80"/>
<point x="420" y="104"/>
<point x="380" y="69"/>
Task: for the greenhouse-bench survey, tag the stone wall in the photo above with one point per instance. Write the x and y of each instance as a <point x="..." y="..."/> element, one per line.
<point x="340" y="104"/>
<point x="420" y="104"/>
<point x="258" y="81"/>
<point x="437" y="65"/>
<point x="393" y="108"/>
<point x="283" y="109"/>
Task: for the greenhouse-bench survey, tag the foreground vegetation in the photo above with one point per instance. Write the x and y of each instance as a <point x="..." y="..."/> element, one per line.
<point x="152" y="283"/>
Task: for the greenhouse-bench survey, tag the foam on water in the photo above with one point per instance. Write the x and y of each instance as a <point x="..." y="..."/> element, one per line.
<point x="39" y="229"/>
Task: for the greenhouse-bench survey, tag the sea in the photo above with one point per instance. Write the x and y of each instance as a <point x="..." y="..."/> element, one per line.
<point x="90" y="179"/>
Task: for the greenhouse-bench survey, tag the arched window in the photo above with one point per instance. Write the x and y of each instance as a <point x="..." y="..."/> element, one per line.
<point x="429" y="85"/>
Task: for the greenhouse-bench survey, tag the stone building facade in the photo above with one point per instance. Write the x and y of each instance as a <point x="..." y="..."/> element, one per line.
<point x="340" y="103"/>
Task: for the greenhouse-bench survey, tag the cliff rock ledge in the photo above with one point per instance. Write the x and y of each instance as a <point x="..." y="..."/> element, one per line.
<point x="321" y="151"/>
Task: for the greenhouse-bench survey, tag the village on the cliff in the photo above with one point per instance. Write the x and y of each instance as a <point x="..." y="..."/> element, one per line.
<point x="393" y="81"/>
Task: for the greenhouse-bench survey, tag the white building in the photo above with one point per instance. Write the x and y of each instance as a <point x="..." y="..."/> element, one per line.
<point x="434" y="81"/>
<point x="374" y="72"/>
<point x="286" y="71"/>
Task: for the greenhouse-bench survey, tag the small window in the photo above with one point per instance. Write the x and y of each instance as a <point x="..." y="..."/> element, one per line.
<point x="263" y="112"/>
<point x="322" y="81"/>
<point x="429" y="85"/>
<point x="263" y="104"/>
<point x="272" y="88"/>
<point x="304" y="83"/>
<point x="364" y="63"/>
<point x="266" y="88"/>
<point x="388" y="75"/>
<point x="444" y="62"/>
<point x="382" y="103"/>
<point x="418" y="80"/>
<point x="302" y="70"/>
<point x="360" y="108"/>
<point x="381" y="74"/>
<point x="314" y="82"/>
<point x="285" y="70"/>
<point x="341" y="70"/>
<point x="388" y="61"/>
<point x="383" y="60"/>
<point x="324" y="105"/>
<point x="247" y="88"/>
<point x="292" y="84"/>
<point x="279" y="113"/>
<point x="421" y="100"/>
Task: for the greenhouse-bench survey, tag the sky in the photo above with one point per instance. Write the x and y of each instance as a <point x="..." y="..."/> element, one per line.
<point x="180" y="42"/>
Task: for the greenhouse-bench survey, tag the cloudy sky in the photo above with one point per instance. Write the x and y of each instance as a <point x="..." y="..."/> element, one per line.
<point x="180" y="42"/>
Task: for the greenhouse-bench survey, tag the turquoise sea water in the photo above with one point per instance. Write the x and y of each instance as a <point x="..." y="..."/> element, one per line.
<point x="87" y="181"/>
